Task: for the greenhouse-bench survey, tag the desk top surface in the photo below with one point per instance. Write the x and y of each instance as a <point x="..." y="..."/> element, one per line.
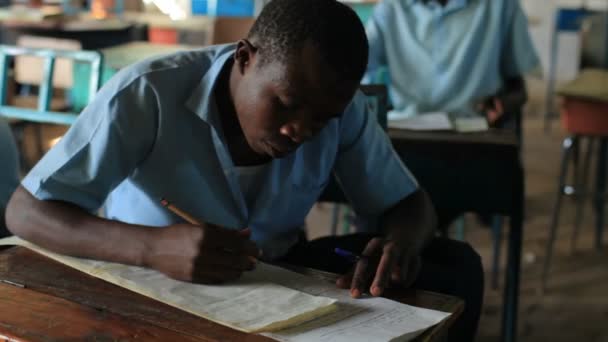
<point x="122" y="55"/>
<point x="591" y="84"/>
<point x="60" y="303"/>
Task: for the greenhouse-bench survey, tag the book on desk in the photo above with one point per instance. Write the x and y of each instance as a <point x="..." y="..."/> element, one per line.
<point x="438" y="121"/>
<point x="377" y="319"/>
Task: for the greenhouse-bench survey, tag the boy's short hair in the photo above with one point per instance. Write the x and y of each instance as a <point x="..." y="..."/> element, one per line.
<point x="335" y="30"/>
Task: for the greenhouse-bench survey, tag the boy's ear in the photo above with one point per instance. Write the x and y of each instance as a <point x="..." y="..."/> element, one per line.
<point x="244" y="55"/>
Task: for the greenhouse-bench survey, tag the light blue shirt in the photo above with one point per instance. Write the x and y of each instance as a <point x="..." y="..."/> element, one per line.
<point x="446" y="58"/>
<point x="153" y="131"/>
<point x="9" y="171"/>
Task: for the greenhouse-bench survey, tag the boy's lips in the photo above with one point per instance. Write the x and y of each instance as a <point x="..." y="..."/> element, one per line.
<point x="282" y="149"/>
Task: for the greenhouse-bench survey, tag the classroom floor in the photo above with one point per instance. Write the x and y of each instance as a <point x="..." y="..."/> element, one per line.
<point x="576" y="304"/>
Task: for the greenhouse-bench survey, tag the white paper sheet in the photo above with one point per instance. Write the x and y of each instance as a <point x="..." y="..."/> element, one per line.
<point x="252" y="304"/>
<point x="356" y="320"/>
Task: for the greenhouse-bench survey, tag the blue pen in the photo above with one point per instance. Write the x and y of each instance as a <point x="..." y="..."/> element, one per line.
<point x="352" y="257"/>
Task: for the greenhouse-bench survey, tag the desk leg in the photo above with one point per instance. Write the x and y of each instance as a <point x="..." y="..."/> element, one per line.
<point x="600" y="193"/>
<point x="511" y="291"/>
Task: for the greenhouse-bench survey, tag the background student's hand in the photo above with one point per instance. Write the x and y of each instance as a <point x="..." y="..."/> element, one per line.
<point x="383" y="262"/>
<point x="493" y="107"/>
<point x="202" y="254"/>
<point x="506" y="102"/>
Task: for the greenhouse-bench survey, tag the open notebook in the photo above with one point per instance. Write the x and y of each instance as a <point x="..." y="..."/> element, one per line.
<point x="281" y="304"/>
<point x="252" y="304"/>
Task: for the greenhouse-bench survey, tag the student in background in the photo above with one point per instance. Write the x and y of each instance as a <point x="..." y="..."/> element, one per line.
<point x="463" y="57"/>
<point x="459" y="56"/>
<point x="243" y="137"/>
<point x="9" y="170"/>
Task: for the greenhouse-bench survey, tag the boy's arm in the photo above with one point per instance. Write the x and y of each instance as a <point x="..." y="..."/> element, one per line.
<point x="377" y="183"/>
<point x="182" y="251"/>
<point x="409" y="226"/>
<point x="68" y="229"/>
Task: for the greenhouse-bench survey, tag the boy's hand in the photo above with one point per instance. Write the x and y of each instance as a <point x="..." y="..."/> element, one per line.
<point x="381" y="263"/>
<point x="202" y="254"/>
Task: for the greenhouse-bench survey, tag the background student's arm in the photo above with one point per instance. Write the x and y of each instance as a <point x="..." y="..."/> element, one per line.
<point x="518" y="58"/>
<point x="54" y="206"/>
<point x="507" y="102"/>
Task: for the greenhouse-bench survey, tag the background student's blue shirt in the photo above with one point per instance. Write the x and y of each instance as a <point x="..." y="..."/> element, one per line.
<point x="445" y="58"/>
<point x="153" y="131"/>
<point x="9" y="168"/>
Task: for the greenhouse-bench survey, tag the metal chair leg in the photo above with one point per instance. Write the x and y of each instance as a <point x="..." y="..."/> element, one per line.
<point x="460" y="227"/>
<point x="571" y="188"/>
<point x="335" y="216"/>
<point x="347" y="220"/>
<point x="581" y="194"/>
<point x="513" y="269"/>
<point x="497" y="243"/>
<point x="566" y="150"/>
<point x="549" y="97"/>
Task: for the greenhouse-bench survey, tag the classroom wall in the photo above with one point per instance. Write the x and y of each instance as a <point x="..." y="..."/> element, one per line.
<point x="541" y="14"/>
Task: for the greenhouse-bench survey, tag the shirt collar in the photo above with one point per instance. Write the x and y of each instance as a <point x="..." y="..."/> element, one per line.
<point x="201" y="99"/>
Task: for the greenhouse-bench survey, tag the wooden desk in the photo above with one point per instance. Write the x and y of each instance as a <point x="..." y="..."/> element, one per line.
<point x="92" y="34"/>
<point x="493" y="137"/>
<point x="60" y="303"/>
<point x="114" y="59"/>
<point x="479" y="172"/>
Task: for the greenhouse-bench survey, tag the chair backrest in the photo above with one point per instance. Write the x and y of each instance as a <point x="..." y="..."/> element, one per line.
<point x="377" y="96"/>
<point x="29" y="69"/>
<point x="43" y="112"/>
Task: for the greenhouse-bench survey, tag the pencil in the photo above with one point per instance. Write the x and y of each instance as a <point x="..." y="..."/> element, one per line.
<point x="177" y="211"/>
<point x="184" y="215"/>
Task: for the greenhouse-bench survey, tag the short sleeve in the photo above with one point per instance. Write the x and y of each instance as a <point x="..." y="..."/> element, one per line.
<point x="519" y="56"/>
<point x="368" y="169"/>
<point x="110" y="138"/>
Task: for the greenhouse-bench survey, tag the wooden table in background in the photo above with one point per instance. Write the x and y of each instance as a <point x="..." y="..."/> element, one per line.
<point x="60" y="303"/>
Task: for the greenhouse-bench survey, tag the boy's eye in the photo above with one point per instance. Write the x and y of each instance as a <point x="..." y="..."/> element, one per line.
<point x="286" y="103"/>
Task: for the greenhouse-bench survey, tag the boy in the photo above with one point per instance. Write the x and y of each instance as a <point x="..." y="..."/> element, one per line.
<point x="243" y="137"/>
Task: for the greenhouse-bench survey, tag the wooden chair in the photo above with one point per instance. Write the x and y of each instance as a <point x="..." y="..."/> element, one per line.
<point x="28" y="72"/>
<point x="43" y="112"/>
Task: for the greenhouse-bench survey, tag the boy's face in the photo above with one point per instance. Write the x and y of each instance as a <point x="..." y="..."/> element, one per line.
<point x="280" y="105"/>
